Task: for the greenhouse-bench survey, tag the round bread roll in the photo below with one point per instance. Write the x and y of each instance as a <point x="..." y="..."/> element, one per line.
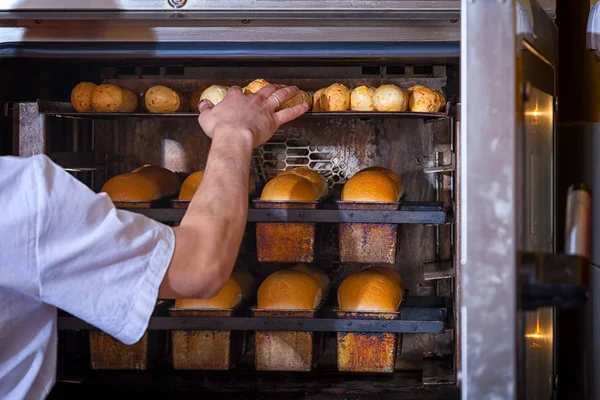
<point x="318" y="274"/>
<point x="215" y="94"/>
<point x="130" y="103"/>
<point x="167" y="180"/>
<point x="369" y="290"/>
<point x="195" y="98"/>
<point x="391" y="174"/>
<point x="335" y="98"/>
<point x="425" y="100"/>
<point x="361" y="98"/>
<point x="313" y="176"/>
<point x="246" y="281"/>
<point x="289" y="290"/>
<point x="81" y="97"/>
<point x="317" y="107"/>
<point x="289" y="187"/>
<point x="161" y="99"/>
<point x="390" y="98"/>
<point x="255" y="86"/>
<point x="301" y="97"/>
<point x="132" y="187"/>
<point x="441" y="98"/>
<point x="229" y="297"/>
<point x="415" y="87"/>
<point x="370" y="187"/>
<point x="108" y="99"/>
<point x="191" y="183"/>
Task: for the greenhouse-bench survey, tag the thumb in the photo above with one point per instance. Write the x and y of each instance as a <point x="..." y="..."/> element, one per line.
<point x="205" y="105"/>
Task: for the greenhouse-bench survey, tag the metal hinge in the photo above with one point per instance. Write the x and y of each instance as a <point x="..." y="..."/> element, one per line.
<point x="442" y="168"/>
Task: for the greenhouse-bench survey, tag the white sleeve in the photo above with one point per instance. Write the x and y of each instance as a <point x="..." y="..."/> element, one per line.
<point x="98" y="263"/>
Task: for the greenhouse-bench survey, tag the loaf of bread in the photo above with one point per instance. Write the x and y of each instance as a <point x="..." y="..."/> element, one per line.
<point x="335" y="98"/>
<point x="301" y="97"/>
<point x="161" y="99"/>
<point x="317" y="107"/>
<point x="112" y="99"/>
<point x="255" y="86"/>
<point x="318" y="274"/>
<point x="390" y="98"/>
<point x="313" y="176"/>
<point x="229" y="297"/>
<point x="81" y="97"/>
<point x="289" y="290"/>
<point x="423" y="99"/>
<point x="215" y="94"/>
<point x="289" y="187"/>
<point x="132" y="187"/>
<point x="394" y="176"/>
<point x="371" y="187"/>
<point x="167" y="180"/>
<point x="370" y="290"/>
<point x="361" y="98"/>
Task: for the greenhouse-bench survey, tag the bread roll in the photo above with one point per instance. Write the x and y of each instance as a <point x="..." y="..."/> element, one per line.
<point x="132" y="187"/>
<point x="415" y="87"/>
<point x="289" y="187"/>
<point x="391" y="174"/>
<point x="229" y="297"/>
<point x="423" y="99"/>
<point x="161" y="99"/>
<point x="390" y="98"/>
<point x="289" y="290"/>
<point x="317" y="107"/>
<point x="361" y="98"/>
<point x="131" y="102"/>
<point x="313" y="176"/>
<point x="255" y="86"/>
<point x="318" y="274"/>
<point x="441" y="98"/>
<point x="167" y="180"/>
<point x="369" y="290"/>
<point x="335" y="98"/>
<point x="108" y="99"/>
<point x="370" y="187"/>
<point x="195" y="98"/>
<point x="301" y="97"/>
<point x="390" y="274"/>
<point x="191" y="183"/>
<point x="246" y="281"/>
<point x="215" y="94"/>
<point x="81" y="97"/>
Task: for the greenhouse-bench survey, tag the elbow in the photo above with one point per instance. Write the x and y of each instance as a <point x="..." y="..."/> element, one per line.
<point x="212" y="285"/>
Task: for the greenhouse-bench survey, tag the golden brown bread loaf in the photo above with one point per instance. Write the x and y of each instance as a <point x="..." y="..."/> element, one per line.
<point x="289" y="290"/>
<point x="423" y="99"/>
<point x="318" y="274"/>
<point x="191" y="183"/>
<point x="229" y="297"/>
<point x="289" y="187"/>
<point x="313" y="176"/>
<point x="81" y="96"/>
<point x="167" y="180"/>
<point x="132" y="187"/>
<point x="390" y="98"/>
<point x="370" y="290"/>
<point x="370" y="187"/>
<point x="246" y="281"/>
<point x="395" y="177"/>
<point x="130" y="101"/>
<point x="301" y="97"/>
<point x="335" y="98"/>
<point x="317" y="107"/>
<point x="361" y="98"/>
<point x="215" y="94"/>
<point x="255" y="86"/>
<point x="161" y="99"/>
<point x="108" y="99"/>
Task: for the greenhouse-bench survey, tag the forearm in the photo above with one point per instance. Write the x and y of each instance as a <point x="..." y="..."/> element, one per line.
<point x="210" y="234"/>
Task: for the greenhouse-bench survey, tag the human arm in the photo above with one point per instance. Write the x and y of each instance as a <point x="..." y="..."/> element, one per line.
<point x="208" y="239"/>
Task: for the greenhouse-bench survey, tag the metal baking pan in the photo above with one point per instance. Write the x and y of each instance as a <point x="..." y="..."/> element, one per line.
<point x="286" y="350"/>
<point x="286" y="242"/>
<point x="366" y="242"/>
<point x="205" y="349"/>
<point x="367" y="352"/>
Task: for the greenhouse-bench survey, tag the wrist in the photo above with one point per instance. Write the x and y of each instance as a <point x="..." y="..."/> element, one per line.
<point x="233" y="134"/>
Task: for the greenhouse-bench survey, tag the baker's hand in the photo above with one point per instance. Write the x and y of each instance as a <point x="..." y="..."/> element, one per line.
<point x="253" y="114"/>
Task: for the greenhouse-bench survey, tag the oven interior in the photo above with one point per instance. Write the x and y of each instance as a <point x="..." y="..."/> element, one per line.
<point x="421" y="149"/>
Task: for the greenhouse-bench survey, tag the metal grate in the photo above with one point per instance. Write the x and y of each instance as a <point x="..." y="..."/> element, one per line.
<point x="289" y="150"/>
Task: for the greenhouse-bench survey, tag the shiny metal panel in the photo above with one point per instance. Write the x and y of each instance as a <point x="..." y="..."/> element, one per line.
<point x="489" y="199"/>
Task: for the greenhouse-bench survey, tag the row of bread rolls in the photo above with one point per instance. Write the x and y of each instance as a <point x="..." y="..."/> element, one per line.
<point x="89" y="97"/>
<point x="304" y="287"/>
<point x="385" y="98"/>
<point x="298" y="184"/>
<point x="151" y="182"/>
<point x="373" y="184"/>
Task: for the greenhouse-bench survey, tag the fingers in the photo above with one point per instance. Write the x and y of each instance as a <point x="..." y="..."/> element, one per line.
<point x="289" y="114"/>
<point x="269" y="90"/>
<point x="205" y="105"/>
<point x="234" y="88"/>
<point x="283" y="94"/>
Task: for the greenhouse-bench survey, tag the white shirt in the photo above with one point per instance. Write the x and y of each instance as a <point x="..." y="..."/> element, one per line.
<point x="64" y="246"/>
